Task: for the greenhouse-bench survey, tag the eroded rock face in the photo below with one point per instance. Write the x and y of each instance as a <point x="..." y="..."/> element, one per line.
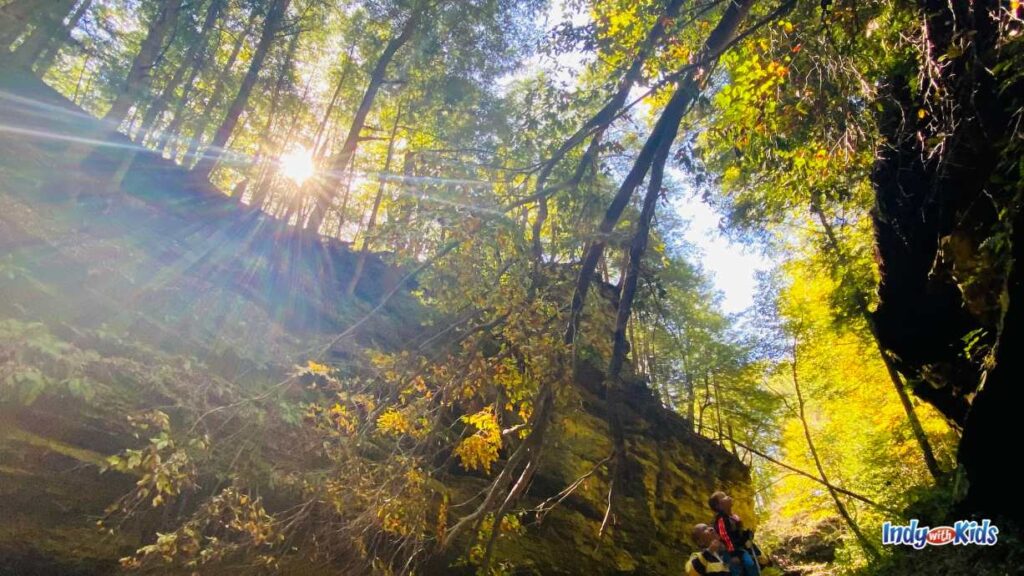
<point x="671" y="472"/>
<point x="108" y="300"/>
<point x="948" y="231"/>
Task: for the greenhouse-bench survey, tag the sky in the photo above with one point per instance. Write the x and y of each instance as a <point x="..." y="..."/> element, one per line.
<point x="731" y="265"/>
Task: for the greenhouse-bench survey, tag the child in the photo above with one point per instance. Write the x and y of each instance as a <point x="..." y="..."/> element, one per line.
<point x="738" y="542"/>
<point x="707" y="559"/>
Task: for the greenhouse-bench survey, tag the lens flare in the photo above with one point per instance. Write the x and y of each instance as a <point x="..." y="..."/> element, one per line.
<point x="297" y="165"/>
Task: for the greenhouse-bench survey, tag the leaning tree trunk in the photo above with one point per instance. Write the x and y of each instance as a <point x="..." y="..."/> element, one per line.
<point x="319" y="141"/>
<point x="270" y="147"/>
<point x="189" y="62"/>
<point x="653" y="156"/>
<point x="613" y="383"/>
<point x="596" y="125"/>
<point x="340" y="163"/>
<point x="664" y="131"/>
<point x="136" y="85"/>
<point x="206" y="164"/>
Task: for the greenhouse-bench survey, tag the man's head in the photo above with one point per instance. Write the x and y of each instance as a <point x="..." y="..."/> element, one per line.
<point x="699" y="534"/>
<point x="705" y="536"/>
<point x="720" y="502"/>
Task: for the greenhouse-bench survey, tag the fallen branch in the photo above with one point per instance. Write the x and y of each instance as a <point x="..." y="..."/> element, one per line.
<point x="810" y="476"/>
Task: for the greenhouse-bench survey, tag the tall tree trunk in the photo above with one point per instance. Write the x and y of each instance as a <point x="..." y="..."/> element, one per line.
<point x="319" y="146"/>
<point x="343" y="209"/>
<point x="840" y="506"/>
<point x="649" y="358"/>
<point x="703" y="406"/>
<point x="718" y="408"/>
<point x="53" y="47"/>
<point x="371" y="224"/>
<point x="218" y="92"/>
<point x="410" y="246"/>
<point x="81" y="76"/>
<point x="136" y="85"/>
<point x="267" y="146"/>
<point x="344" y="157"/>
<point x="206" y="164"/>
<point x="190" y="61"/>
<point x="173" y="129"/>
<point x="48" y="25"/>
<point x="656" y="147"/>
<point x="293" y="126"/>
<point x="861" y="302"/>
<point x="631" y="342"/>
<point x="690" y="393"/>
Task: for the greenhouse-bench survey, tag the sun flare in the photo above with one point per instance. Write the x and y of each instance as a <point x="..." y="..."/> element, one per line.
<point x="297" y="165"/>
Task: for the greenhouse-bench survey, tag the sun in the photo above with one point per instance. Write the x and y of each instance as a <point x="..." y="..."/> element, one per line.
<point x="297" y="164"/>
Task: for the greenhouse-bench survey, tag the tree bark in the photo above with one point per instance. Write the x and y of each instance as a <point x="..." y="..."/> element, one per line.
<point x="191" y="60"/>
<point x="718" y="409"/>
<point x="136" y="85"/>
<point x="690" y="395"/>
<point x="341" y="161"/>
<point x="703" y="406"/>
<point x="213" y="154"/>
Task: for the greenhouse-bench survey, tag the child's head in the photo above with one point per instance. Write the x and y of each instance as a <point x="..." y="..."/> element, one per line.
<point x="720" y="502"/>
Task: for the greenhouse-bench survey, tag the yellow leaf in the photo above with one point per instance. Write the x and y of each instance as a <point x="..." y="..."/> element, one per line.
<point x="317" y="368"/>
